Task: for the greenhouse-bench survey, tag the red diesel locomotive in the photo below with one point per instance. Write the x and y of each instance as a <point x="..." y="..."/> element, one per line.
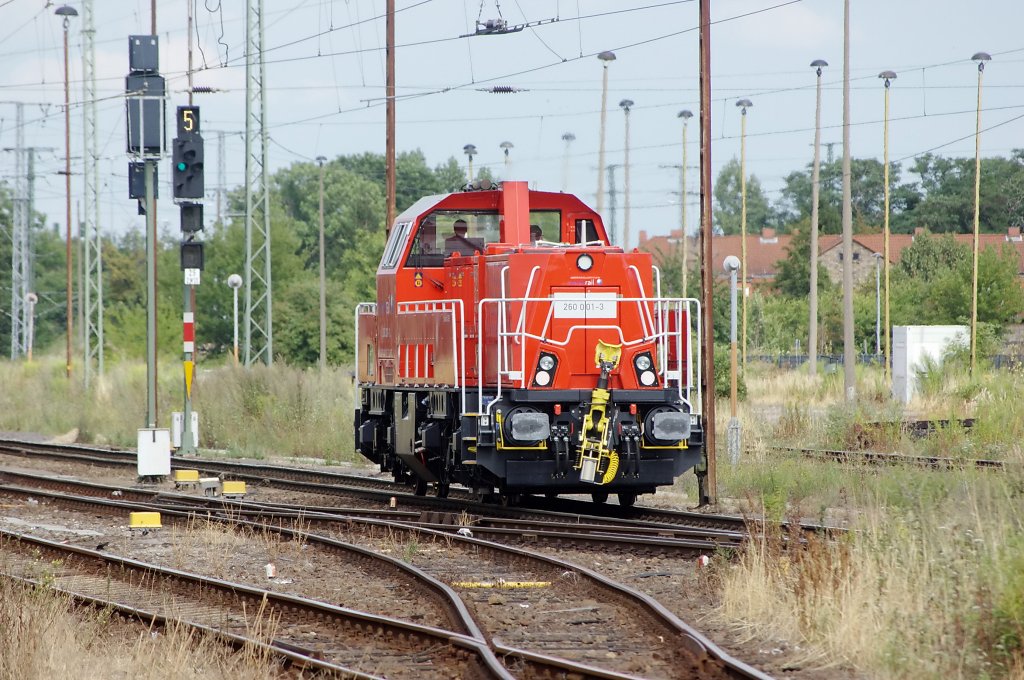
<point x="512" y="349"/>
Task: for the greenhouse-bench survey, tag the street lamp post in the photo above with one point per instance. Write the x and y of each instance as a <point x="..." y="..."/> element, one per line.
<point x="568" y="138"/>
<point x="743" y="104"/>
<point x="66" y="12"/>
<point x="606" y="57"/>
<point x="812" y="326"/>
<point x="732" y="265"/>
<point x="470" y="151"/>
<point x="878" y="309"/>
<point x="980" y="58"/>
<point x="626" y="105"/>
<point x="506" y="146"/>
<point x="685" y="115"/>
<point x="888" y="77"/>
<point x="235" y="282"/>
<point x="323" y="273"/>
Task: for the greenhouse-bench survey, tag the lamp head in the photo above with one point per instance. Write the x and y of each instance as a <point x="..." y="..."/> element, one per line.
<point x="606" y="56"/>
<point x="888" y="76"/>
<point x="235" y="281"/>
<point x="744" y="104"/>
<point x="981" y="58"/>
<point x="506" y="146"/>
<point x="731" y="264"/>
<point x="818" y="64"/>
<point x="569" y="137"/>
<point x="626" y="104"/>
<point x="66" y="11"/>
<point x="321" y="160"/>
<point x="685" y="114"/>
<point x="469" y="150"/>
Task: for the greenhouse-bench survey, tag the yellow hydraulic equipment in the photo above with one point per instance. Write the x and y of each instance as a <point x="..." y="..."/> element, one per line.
<point x="596" y="454"/>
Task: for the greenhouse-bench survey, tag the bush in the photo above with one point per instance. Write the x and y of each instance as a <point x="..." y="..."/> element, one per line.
<point x="723" y="382"/>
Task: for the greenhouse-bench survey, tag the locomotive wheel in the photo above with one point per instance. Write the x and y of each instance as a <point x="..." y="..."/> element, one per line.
<point x="627" y="500"/>
<point x="421" y="487"/>
<point x="441" y="489"/>
<point x="510" y="499"/>
<point x="600" y="496"/>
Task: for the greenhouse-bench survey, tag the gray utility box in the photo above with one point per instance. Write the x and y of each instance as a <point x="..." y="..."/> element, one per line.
<point x="144" y="99"/>
<point x="143" y="53"/>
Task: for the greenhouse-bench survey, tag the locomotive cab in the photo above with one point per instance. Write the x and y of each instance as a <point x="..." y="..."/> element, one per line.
<point x="513" y="348"/>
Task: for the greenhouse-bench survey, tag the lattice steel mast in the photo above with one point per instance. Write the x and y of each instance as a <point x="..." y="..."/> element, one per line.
<point x="259" y="333"/>
<point x="19" y="242"/>
<point x="92" y="243"/>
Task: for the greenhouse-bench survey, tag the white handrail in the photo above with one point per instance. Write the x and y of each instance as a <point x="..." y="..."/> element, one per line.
<point x="661" y="335"/>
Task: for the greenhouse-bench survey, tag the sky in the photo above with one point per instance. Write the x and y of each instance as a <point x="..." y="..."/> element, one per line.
<point x="325" y="85"/>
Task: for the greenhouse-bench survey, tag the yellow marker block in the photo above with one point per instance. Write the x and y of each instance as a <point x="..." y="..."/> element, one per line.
<point x="189" y="372"/>
<point x="186" y="476"/>
<point x="501" y="584"/>
<point x="144" y="520"/>
<point x="233" y="488"/>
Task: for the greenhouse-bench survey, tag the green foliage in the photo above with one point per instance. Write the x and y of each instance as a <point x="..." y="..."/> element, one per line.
<point x="794" y="274"/>
<point x="728" y="202"/>
<point x="723" y="374"/>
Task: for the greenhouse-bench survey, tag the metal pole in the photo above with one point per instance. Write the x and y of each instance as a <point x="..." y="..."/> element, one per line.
<point x="188" y="446"/>
<point x="151" y="404"/>
<point x="67" y="196"/>
<point x="743" y="223"/>
<point x="981" y="58"/>
<point x="849" y="349"/>
<point x="708" y="480"/>
<point x="389" y="162"/>
<point x="234" y="295"/>
<point x="682" y="206"/>
<point x="734" y="443"/>
<point x="625" y="230"/>
<point x="812" y="326"/>
<point x="889" y="75"/>
<point x="878" y="310"/>
<point x="323" y="276"/>
<point x="568" y="138"/>
<point x="600" y="147"/>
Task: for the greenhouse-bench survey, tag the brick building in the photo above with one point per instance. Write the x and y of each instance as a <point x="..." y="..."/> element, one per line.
<point x="767" y="249"/>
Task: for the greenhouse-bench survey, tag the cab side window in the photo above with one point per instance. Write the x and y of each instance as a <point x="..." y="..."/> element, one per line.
<point x="426" y="250"/>
<point x="586" y="231"/>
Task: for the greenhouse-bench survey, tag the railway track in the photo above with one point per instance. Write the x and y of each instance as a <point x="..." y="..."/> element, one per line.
<point x="618" y="608"/>
<point x="317" y="634"/>
<point x="379" y="492"/>
<point x="882" y="458"/>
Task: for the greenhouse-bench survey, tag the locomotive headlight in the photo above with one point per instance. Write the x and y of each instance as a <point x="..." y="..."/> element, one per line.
<point x="584" y="262"/>
<point x="647" y="378"/>
<point x="543" y="378"/>
<point x="547" y="362"/>
<point x="643" y="362"/>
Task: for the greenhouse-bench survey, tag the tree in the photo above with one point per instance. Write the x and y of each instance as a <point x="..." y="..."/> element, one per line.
<point x="728" y="202"/>
<point x="867" y="194"/>
<point x="948" y="201"/>
<point x="794" y="276"/>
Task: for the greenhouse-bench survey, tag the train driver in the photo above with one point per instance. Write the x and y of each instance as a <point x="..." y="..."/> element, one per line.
<point x="459" y="242"/>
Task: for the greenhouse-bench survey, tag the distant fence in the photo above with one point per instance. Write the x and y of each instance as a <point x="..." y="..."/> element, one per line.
<point x="832" y="361"/>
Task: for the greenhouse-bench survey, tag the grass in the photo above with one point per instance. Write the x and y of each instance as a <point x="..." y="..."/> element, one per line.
<point x="931" y="582"/>
<point x="44" y="635"/>
<point x="252" y="412"/>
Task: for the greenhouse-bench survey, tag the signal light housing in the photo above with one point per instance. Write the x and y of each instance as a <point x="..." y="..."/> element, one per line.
<point x="187" y="167"/>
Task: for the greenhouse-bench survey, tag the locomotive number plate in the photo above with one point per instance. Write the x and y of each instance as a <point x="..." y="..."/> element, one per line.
<point x="585" y="305"/>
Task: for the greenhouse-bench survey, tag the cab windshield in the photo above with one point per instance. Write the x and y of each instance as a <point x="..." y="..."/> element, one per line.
<point x="443" y="233"/>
